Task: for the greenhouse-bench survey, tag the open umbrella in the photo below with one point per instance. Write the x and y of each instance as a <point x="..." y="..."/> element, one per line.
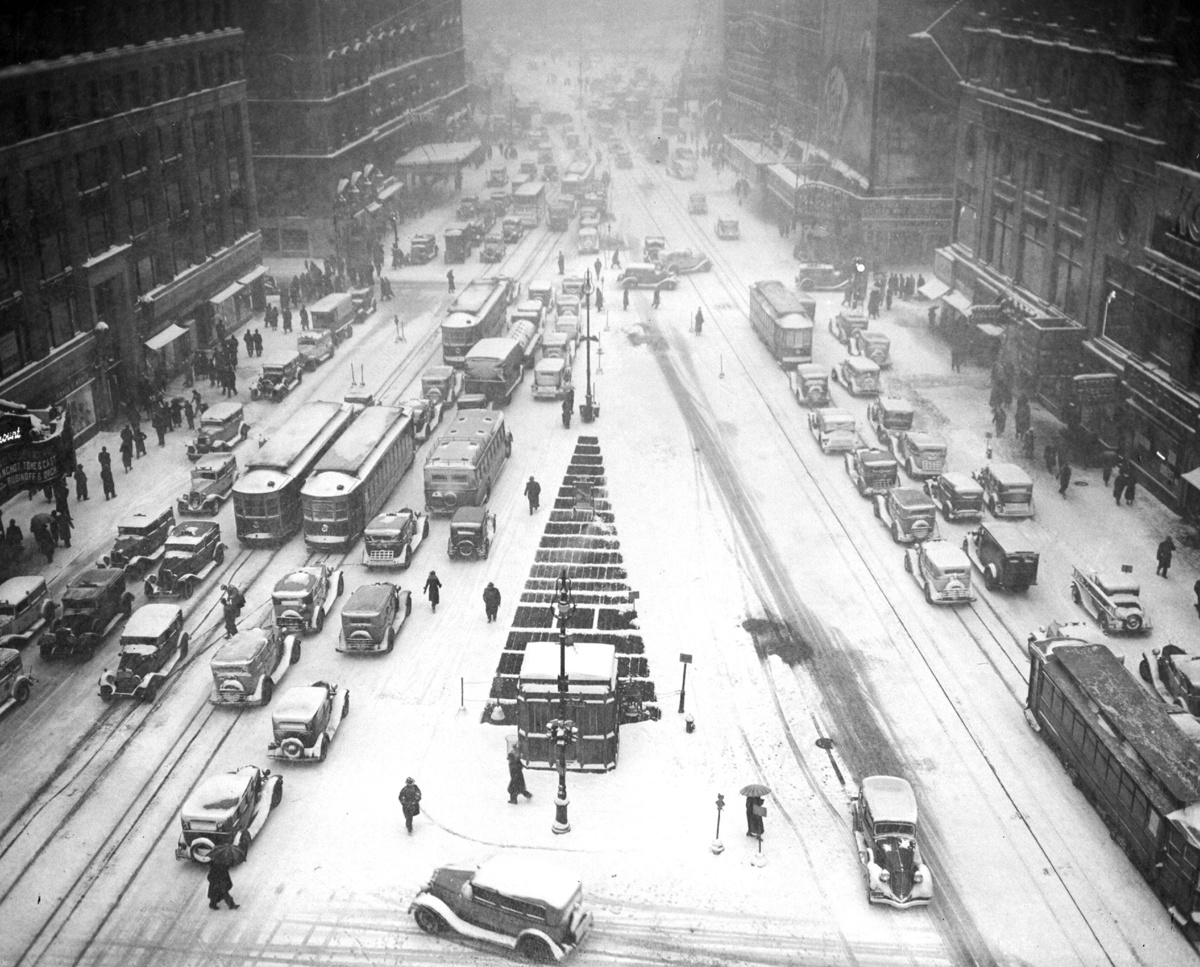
<point x="40" y="523"/>
<point x="226" y="854"/>
<point x="755" y="789"/>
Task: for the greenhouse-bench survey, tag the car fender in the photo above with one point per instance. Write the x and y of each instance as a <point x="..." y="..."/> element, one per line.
<point x="403" y="606"/>
<point x="290" y="643"/>
<point x="107" y="678"/>
<point x="263" y="808"/>
<point x="461" y="926"/>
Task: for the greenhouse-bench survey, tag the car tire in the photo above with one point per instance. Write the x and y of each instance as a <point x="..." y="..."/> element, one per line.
<point x="928" y="596"/>
<point x="428" y="920"/>
<point x="407" y="556"/>
<point x="106" y="693"/>
<point x="989" y="579"/>
<point x="20" y="692"/>
<point x="292" y="748"/>
<point x="907" y="563"/>
<point x="186" y="588"/>
<point x="296" y="652"/>
<point x="535" y="950"/>
<point x="425" y="529"/>
<point x="346" y="707"/>
<point x="1075" y="595"/>
<point x="268" y="690"/>
<point x="391" y="639"/>
<point x="319" y="621"/>
<point x="148" y="693"/>
<point x="896" y="532"/>
<point x="1133" y="623"/>
<point x="276" y="799"/>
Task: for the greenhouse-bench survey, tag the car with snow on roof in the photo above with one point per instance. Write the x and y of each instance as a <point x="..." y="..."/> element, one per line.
<point x="282" y="373"/>
<point x="301" y="600"/>
<point x="908" y="514"/>
<point x="817" y="276"/>
<point x="222" y="427"/>
<point x="873" y="471"/>
<point x="92" y="605"/>
<point x="652" y="247"/>
<point x="228" y="808"/>
<point x="512" y="230"/>
<point x="1007" y="489"/>
<point x="392" y="538"/>
<point x="193" y="551"/>
<point x="957" y="495"/>
<point x="426" y="415"/>
<point x="843" y="326"/>
<point x="1114" y="600"/>
<point x="551" y="377"/>
<point x="727" y="229"/>
<point x="811" y="385"/>
<point x="835" y="430"/>
<point x="493" y="248"/>
<point x="441" y="384"/>
<point x="875" y="346"/>
<point x="697" y="203"/>
<point x="942" y="571"/>
<point x="153" y="643"/>
<point x="305" y="720"/>
<point x="885" y="832"/>
<point x="210" y="485"/>
<point x="1180" y="674"/>
<point x="422" y="249"/>
<point x="15" y="685"/>
<point x="315" y="347"/>
<point x="858" y="374"/>
<point x="921" y="454"/>
<point x="1004" y="554"/>
<point x="889" y="415"/>
<point x="512" y="900"/>
<point x="248" y="666"/>
<point x="26" y="610"/>
<point x="472" y="530"/>
<point x="372" y="618"/>
<point x="140" y="544"/>
<point x="683" y="261"/>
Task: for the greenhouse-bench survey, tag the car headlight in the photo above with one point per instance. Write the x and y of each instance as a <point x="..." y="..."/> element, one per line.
<point x="884" y="876"/>
<point x="918" y="876"/>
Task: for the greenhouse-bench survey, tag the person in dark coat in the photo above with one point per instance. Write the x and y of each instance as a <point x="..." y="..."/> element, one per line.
<point x="62" y="523"/>
<point x="105" y="458"/>
<point x="491" y="601"/>
<point x="230" y="610"/>
<point x="106" y="481"/>
<point x="1050" y="455"/>
<point x="1064" y="478"/>
<point x="127" y="455"/>
<point x="304" y="318"/>
<point x="219" y="885"/>
<point x="599" y="299"/>
<point x="256" y="339"/>
<point x="450" y="281"/>
<point x="1166" y="548"/>
<point x="533" y="490"/>
<point x="14" y="536"/>
<point x="699" y="322"/>
<point x="81" y="482"/>
<point x="561" y="263"/>
<point x="161" y="429"/>
<point x="999" y="420"/>
<point x="127" y="435"/>
<point x="625" y="299"/>
<point x="1022" y="418"/>
<point x="42" y="536"/>
<point x="754" y="822"/>
<point x="287" y="320"/>
<point x="433" y="588"/>
<point x="248" y="339"/>
<point x="657" y="296"/>
<point x="189" y="414"/>
<point x="139" y="443"/>
<point x="410" y="799"/>
<point x="516" y="779"/>
<point x="1119" y="486"/>
<point x="1130" y="488"/>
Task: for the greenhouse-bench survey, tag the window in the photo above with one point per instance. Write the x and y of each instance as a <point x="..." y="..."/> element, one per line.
<point x="1004" y="160"/>
<point x="1002" y="237"/>
<point x="971" y="146"/>
<point x="90" y="167"/>
<point x="1068" y="273"/>
<point x="98" y="228"/>
<point x="43" y="187"/>
<point x="133" y="153"/>
<point x="52" y="250"/>
<point x="1038" y="167"/>
<point x="143" y="275"/>
<point x="233" y="166"/>
<point x="1073" y="188"/>
<point x="206" y="183"/>
<point x="170" y="141"/>
<point x="1033" y="255"/>
<point x="233" y="126"/>
<point x="174" y="198"/>
<point x="139" y="214"/>
<point x="62" y="319"/>
<point x="14" y="339"/>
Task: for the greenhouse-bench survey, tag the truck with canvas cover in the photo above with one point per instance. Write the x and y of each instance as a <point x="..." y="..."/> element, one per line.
<point x="335" y="314"/>
<point x="494" y="368"/>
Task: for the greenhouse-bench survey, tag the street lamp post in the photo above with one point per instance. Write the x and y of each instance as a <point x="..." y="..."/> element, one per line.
<point x="589" y="410"/>
<point x="562" y="730"/>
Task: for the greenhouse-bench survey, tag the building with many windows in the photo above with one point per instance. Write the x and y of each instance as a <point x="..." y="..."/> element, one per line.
<point x="126" y="196"/>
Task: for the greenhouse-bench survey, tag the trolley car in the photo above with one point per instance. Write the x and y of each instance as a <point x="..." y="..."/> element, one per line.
<point x="783" y="321"/>
<point x="266" y="498"/>
<point x="356" y="475"/>
<point x="479" y="311"/>
<point x="465" y="462"/>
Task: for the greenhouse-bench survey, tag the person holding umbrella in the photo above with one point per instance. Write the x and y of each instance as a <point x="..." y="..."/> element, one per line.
<point x="754" y="794"/>
<point x="220" y="859"/>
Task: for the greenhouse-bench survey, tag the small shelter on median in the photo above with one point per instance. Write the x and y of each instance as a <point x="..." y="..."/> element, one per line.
<point x="591" y="705"/>
<point x="433" y="161"/>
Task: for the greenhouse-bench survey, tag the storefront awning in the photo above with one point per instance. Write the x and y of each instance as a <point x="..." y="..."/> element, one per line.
<point x="933" y="289"/>
<point x="391" y="191"/>
<point x="957" y="301"/>
<point x="227" y="293"/>
<point x="1193" y="477"/>
<point x="159" y="341"/>
<point x="253" y="276"/>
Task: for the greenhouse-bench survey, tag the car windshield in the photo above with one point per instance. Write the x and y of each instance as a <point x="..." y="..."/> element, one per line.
<point x="8" y="611"/>
<point x="80" y="604"/>
<point x="133" y="530"/>
<point x="893" y="829"/>
<point x="223" y="803"/>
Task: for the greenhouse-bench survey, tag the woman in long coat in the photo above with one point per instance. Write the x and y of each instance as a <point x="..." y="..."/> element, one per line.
<point x="432" y="588"/>
<point x="516" y="779"/>
<point x="219" y="885"/>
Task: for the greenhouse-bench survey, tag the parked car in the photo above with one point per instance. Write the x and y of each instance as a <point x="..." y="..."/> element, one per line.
<point x="511" y="900"/>
<point x="908" y="513"/>
<point x="551" y="378"/>
<point x="222" y="427"/>
<point x="392" y="538"/>
<point x="426" y="415"/>
<point x="193" y="551"/>
<point x="92" y="605"/>
<point x="845" y="326"/>
<point x="697" y="203"/>
<point x="468" y="205"/>
<point x="728" y="229"/>
<point x="15" y="685"/>
<point x="921" y="454"/>
<point x="229" y="807"/>
<point x="305" y="720"/>
<point x="812" y="385"/>
<point x="512" y="229"/>
<point x="1007" y="489"/>
<point x="372" y="618"/>
<point x="890" y="415"/>
<point x="283" y="374"/>
<point x="471" y="532"/>
<point x="153" y="643"/>
<point x="1180" y="674"/>
<point x="683" y="163"/>
<point x="683" y="261"/>
<point x="316" y="346"/>
<point x="140" y="544"/>
<point x="835" y="430"/>
<point x="1004" y="554"/>
<point x="493" y="249"/>
<point x="248" y="666"/>
<point x="873" y="471"/>
<point x="497" y="176"/>
<point x="302" y="599"/>
<point x="818" y="276"/>
<point x="941" y="570"/>
<point x="885" y="831"/>
<point x="646" y="275"/>
<point x="859" y="375"/>
<point x="211" y="483"/>
<point x="1114" y="600"/>
<point x="587" y="240"/>
<point x="422" y="249"/>
<point x="957" y="495"/>
<point x="652" y="247"/>
<point x="441" y="384"/>
<point x="26" y="611"/>
<point x="875" y="346"/>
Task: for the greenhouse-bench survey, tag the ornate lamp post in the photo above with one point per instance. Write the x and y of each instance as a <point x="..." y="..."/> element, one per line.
<point x="562" y="730"/>
<point x="589" y="411"/>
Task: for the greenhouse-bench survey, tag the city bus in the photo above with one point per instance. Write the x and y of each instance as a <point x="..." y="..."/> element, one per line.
<point x="529" y="203"/>
<point x="350" y="483"/>
<point x="478" y="312"/>
<point x="1125" y="750"/>
<point x="465" y="462"/>
<point x="783" y="321"/>
<point x="266" y="498"/>
<point x="578" y="179"/>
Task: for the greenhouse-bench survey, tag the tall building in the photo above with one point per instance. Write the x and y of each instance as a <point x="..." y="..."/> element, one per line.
<point x="126" y="196"/>
<point x="335" y="86"/>
<point x="1075" y="222"/>
<point x="844" y="113"/>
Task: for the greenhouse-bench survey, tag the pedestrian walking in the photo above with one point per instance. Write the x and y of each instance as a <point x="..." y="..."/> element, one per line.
<point x="754" y="822"/>
<point x="699" y="326"/>
<point x="248" y="339"/>
<point x="1029" y="444"/>
<point x="450" y="280"/>
<point x="616" y="259"/>
<point x="219" y="885"/>
<point x="189" y="414"/>
<point x="533" y="490"/>
<point x="1119" y="486"/>
<point x="1166" y="548"/>
<point x="1064" y="478"/>
<point x="491" y="601"/>
<point x="1130" y="488"/>
<point x="955" y="357"/>
<point x="230" y="611"/>
<point x="127" y="435"/>
<point x="562" y="263"/>
<point x="999" y="420"/>
<point x="1050" y="455"/>
<point x="197" y="401"/>
<point x="81" y="482"/>
<point x="287" y="320"/>
<point x="1022" y="418"/>
<point x="599" y="299"/>
<point x="160" y="429"/>
<point x="256" y="338"/>
<point x="654" y="301"/>
<point x="1107" y="461"/>
<point x="625" y="298"/>
<point x="433" y="588"/>
<point x="63" y="523"/>
<point x="598" y="266"/>
<point x="516" y="779"/>
<point x="127" y="454"/>
<point x="410" y="800"/>
<point x="139" y="443"/>
<point x="14" y="536"/>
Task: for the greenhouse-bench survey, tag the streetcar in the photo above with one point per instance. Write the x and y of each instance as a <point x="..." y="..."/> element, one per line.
<point x="783" y="321"/>
<point x="358" y="472"/>
<point x="529" y="203"/>
<point x="479" y="312"/>
<point x="578" y="179"/>
<point x="465" y="462"/>
<point x="266" y="498"/>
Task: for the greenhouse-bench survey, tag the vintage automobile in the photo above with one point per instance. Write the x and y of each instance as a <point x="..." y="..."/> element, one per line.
<point x="392" y="538"/>
<point x="512" y="900"/>
<point x="305" y="720"/>
<point x="301" y="600"/>
<point x="493" y="248"/>
<point x="15" y="685"/>
<point x="248" y="666"/>
<point x="908" y="513"/>
<point x="283" y="374"/>
<point x="859" y="375"/>
<point x="957" y="495"/>
<point x="1114" y="600"/>
<point x="551" y="378"/>
<point x="873" y="471"/>
<point x="26" y="611"/>
<point x="426" y="415"/>
<point x="811" y="385"/>
<point x="646" y="275"/>
<point x="652" y="246"/>
<point x="468" y="205"/>
<point x="728" y="229"/>
<point x="459" y="240"/>
<point x="227" y="808"/>
<point x="140" y="544"/>
<point x="372" y="617"/>
<point x="550" y="170"/>
<point x="589" y="217"/>
<point x="441" y="384"/>
<point x="500" y="201"/>
<point x="364" y="303"/>
<point x="875" y="346"/>
<point x="1180" y="674"/>
<point x="211" y="483"/>
<point x="697" y="203"/>
<point x="423" y="248"/>
<point x="942" y="571"/>
<point x="683" y="163"/>
<point x="921" y="454"/>
<point x="1007" y="489"/>
<point x="153" y="643"/>
<point x="92" y="605"/>
<point x="497" y="176"/>
<point x="558" y="345"/>
<point x="683" y="261"/>
<point x="818" y="276"/>
<point x="222" y="427"/>
<point x="1004" y="554"/>
<point x="194" y="551"/>
<point x="885" y="831"/>
<point x="315" y="347"/>
<point x="471" y="532"/>
<point x="587" y="240"/>
<point x="835" y="430"/>
<point x="890" y="415"/>
<point x="512" y="229"/>
<point x="845" y="325"/>
<point x="529" y="168"/>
